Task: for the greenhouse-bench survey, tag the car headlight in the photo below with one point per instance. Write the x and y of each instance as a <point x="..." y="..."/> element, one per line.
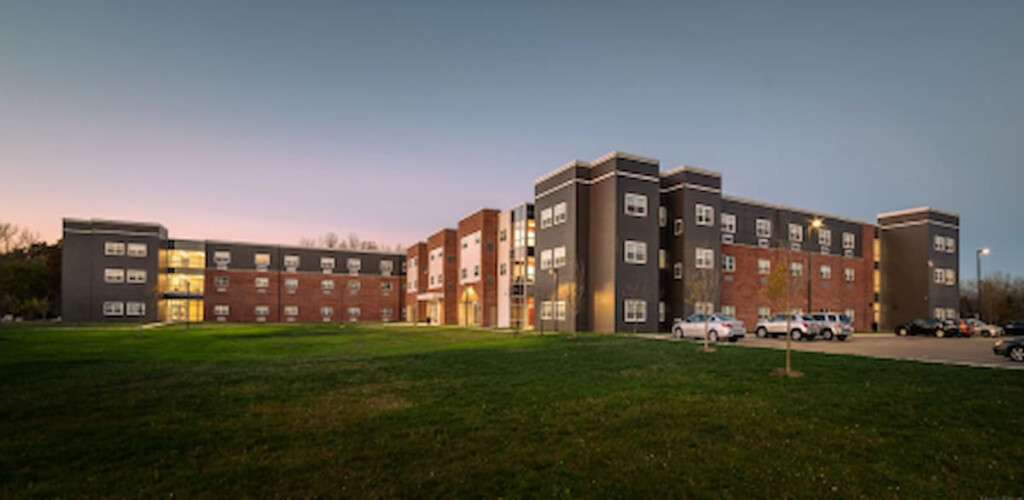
<point x="999" y="343"/>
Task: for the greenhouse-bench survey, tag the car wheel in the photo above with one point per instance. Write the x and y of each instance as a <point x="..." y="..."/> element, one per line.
<point x="1017" y="353"/>
<point x="678" y="333"/>
<point x="734" y="339"/>
<point x="762" y="332"/>
<point x="940" y="333"/>
<point x="827" y="334"/>
<point x="986" y="333"/>
<point x="902" y="332"/>
<point x="796" y="335"/>
<point x="842" y="338"/>
<point x="712" y="336"/>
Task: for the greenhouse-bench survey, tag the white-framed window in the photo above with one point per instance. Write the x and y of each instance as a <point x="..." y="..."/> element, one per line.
<point x="939" y="276"/>
<point x="849" y="241"/>
<point x="386" y="286"/>
<point x="729" y="223"/>
<point x="850" y="313"/>
<point x="951" y="313"/>
<point x="705" y="258"/>
<point x="261" y="310"/>
<point x="463" y="274"/>
<point x="636" y="205"/>
<point x="354" y="313"/>
<point x="764" y="266"/>
<point x="677" y="227"/>
<point x="826" y="272"/>
<point x="662" y="216"/>
<point x="728" y="263"/>
<point x="137" y="276"/>
<point x="354" y="265"/>
<point x="354" y="286"/>
<point x="662" y="258"/>
<point x="291" y="262"/>
<point x="291" y="310"/>
<point x="825" y="237"/>
<point x="113" y="275"/>
<point x="545" y="259"/>
<point x="729" y="310"/>
<point x="661" y="311"/>
<point x="261" y="261"/>
<point x="950" y="244"/>
<point x="291" y="284"/>
<point x="221" y="310"/>
<point x="764" y="228"/>
<point x="849" y="274"/>
<point x="262" y="282"/>
<point x="327" y="285"/>
<point x="796" y="232"/>
<point x="764" y="312"/>
<point x="939" y="243"/>
<point x="950" y="277"/>
<point x="327" y="264"/>
<point x="502" y="269"/>
<point x="558" y="254"/>
<point x="635" y="311"/>
<point x="560" y="214"/>
<point x="677" y="270"/>
<point x="545" y="309"/>
<point x="704" y="307"/>
<point x="221" y="280"/>
<point x="560" y="310"/>
<point x="113" y="308"/>
<point x="796" y="268"/>
<point x="635" y="252"/>
<point x="135" y="308"/>
<point x="545" y="218"/>
<point x="113" y="249"/>
<point x="221" y="258"/>
<point x="137" y="250"/>
<point x="705" y="215"/>
<point x="387" y="267"/>
<point x="385" y="314"/>
<point x="326" y="311"/>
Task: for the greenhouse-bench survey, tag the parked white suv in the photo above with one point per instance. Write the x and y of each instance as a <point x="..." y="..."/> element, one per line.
<point x="832" y="325"/>
<point x="801" y="326"/>
<point x="719" y="327"/>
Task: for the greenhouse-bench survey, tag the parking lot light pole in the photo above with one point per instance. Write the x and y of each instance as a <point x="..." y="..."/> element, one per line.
<point x="816" y="223"/>
<point x="979" y="253"/>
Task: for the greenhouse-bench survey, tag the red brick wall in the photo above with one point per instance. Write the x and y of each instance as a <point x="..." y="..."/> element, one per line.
<point x="485" y="221"/>
<point x="448" y="239"/>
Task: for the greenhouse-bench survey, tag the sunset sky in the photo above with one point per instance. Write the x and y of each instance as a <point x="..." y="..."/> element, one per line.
<point x="270" y="121"/>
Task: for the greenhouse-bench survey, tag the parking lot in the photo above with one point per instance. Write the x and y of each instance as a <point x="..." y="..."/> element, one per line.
<point x="975" y="351"/>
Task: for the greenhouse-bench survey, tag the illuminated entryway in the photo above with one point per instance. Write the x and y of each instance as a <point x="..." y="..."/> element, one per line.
<point x="181" y="310"/>
<point x="469" y="308"/>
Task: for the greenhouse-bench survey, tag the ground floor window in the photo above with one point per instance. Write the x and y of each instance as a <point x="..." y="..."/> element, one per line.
<point x="635" y="311"/>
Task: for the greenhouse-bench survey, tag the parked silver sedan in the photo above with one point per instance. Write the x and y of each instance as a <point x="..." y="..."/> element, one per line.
<point x="719" y="327"/>
<point x="984" y="329"/>
<point x="800" y="326"/>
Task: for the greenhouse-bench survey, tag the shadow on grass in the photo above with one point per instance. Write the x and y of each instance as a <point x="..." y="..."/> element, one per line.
<point x="284" y="334"/>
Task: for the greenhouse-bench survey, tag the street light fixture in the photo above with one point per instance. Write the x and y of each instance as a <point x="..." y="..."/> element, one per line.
<point x="816" y="224"/>
<point x="979" y="253"/>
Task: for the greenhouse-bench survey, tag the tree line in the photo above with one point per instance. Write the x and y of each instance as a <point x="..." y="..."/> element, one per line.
<point x="29" y="274"/>
<point x="352" y="242"/>
<point x="1002" y="297"/>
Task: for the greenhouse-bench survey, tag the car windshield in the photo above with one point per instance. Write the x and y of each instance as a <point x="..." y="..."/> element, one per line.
<point x="844" y="318"/>
<point x="807" y="318"/>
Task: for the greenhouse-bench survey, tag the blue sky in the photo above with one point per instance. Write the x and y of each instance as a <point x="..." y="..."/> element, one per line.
<point x="271" y="121"/>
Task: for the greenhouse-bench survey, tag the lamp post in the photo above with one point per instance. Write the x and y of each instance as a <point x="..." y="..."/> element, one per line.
<point x="978" y="254"/>
<point x="816" y="223"/>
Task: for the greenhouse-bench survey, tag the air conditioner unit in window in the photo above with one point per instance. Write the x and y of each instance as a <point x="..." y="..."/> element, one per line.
<point x="794" y="247"/>
<point x="727" y="238"/>
<point x="848" y="253"/>
<point x="762" y="242"/>
<point x="825" y="250"/>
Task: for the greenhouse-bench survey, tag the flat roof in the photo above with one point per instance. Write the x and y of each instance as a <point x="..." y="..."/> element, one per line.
<point x="915" y="210"/>
<point x="777" y="206"/>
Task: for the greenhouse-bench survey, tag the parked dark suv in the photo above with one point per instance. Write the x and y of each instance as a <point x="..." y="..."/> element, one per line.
<point x="1014" y="329"/>
<point x="923" y="326"/>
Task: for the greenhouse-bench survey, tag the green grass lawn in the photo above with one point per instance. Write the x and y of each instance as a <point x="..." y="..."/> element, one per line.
<point x="298" y="411"/>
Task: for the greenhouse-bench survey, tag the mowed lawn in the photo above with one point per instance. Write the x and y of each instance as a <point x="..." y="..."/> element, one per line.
<point x="372" y="411"/>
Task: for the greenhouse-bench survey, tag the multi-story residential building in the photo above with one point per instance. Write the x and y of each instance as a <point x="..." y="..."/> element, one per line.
<point x="121" y="271"/>
<point x="417" y="275"/>
<point x="919" y="266"/>
<point x="516" y="267"/>
<point x="477" y="289"/>
<point x="439" y="296"/>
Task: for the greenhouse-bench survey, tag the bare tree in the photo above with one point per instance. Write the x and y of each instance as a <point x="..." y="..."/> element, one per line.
<point x="27" y="238"/>
<point x="399" y="248"/>
<point x="8" y="232"/>
<point x="368" y="245"/>
<point x="329" y="240"/>
<point x="702" y="288"/>
<point x="780" y="291"/>
<point x="576" y="295"/>
<point x="307" y="242"/>
<point x="353" y="243"/>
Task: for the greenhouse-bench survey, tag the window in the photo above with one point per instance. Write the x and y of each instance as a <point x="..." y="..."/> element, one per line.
<point x="221" y="281"/>
<point x="137" y="276"/>
<point x="728" y="263"/>
<point x="677" y="227"/>
<point x="677" y="270"/>
<point x="560" y="310"/>
<point x="111" y="275"/>
<point x="221" y="310"/>
<point x="848" y="274"/>
<point x="662" y="216"/>
<point x="113" y="249"/>
<point x="385" y="313"/>
<point x="262" y="282"/>
<point x="135" y="309"/>
<point x="729" y="310"/>
<point x="705" y="258"/>
<point x="354" y="313"/>
<point x="950" y="245"/>
<point x="636" y="205"/>
<point x="661" y="311"/>
<point x="950" y="277"/>
<point x="113" y="308"/>
<point x="262" y="310"/>
<point x="137" y="250"/>
<point x="636" y="311"/>
<point x="826" y="272"/>
<point x="503" y="235"/>
<point x="939" y="245"/>
<point x="386" y="286"/>
<point x="705" y="215"/>
<point x="291" y="284"/>
<point x="763" y="242"/>
<point x="291" y="310"/>
<point x="463" y="274"/>
<point x="545" y="218"/>
<point x="354" y="286"/>
<point x="545" y="309"/>
<point x="476" y="269"/>
<point x="951" y="313"/>
<point x="291" y="262"/>
<point x="764" y="266"/>
<point x="662" y="257"/>
<point x="387" y="267"/>
<point x="262" y="261"/>
<point x="327" y="285"/>
<point x="354" y="265"/>
<point x="545" y="259"/>
<point x="559" y="257"/>
<point x="939" y="275"/>
<point x="825" y="237"/>
<point x="764" y="313"/>
<point x="636" y="252"/>
<point x="728" y="237"/>
<point x="795" y="247"/>
<point x="704" y="307"/>
<point x="561" y="214"/>
<point x="849" y="241"/>
<point x="796" y="268"/>
<point x="729" y="223"/>
<point x="327" y="311"/>
<point x="327" y="264"/>
<point x="502" y="269"/>
<point x="940" y="313"/>
<point x="221" y="258"/>
<point x="764" y="228"/>
<point x="796" y="232"/>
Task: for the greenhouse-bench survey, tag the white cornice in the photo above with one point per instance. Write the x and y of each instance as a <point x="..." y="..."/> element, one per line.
<point x="571" y="164"/>
<point x="626" y="156"/>
<point x="687" y="168"/>
<point x="748" y="201"/>
<point x="918" y="210"/>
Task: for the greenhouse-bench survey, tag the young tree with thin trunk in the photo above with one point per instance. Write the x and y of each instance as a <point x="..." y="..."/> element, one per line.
<point x="702" y="288"/>
<point x="779" y="289"/>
